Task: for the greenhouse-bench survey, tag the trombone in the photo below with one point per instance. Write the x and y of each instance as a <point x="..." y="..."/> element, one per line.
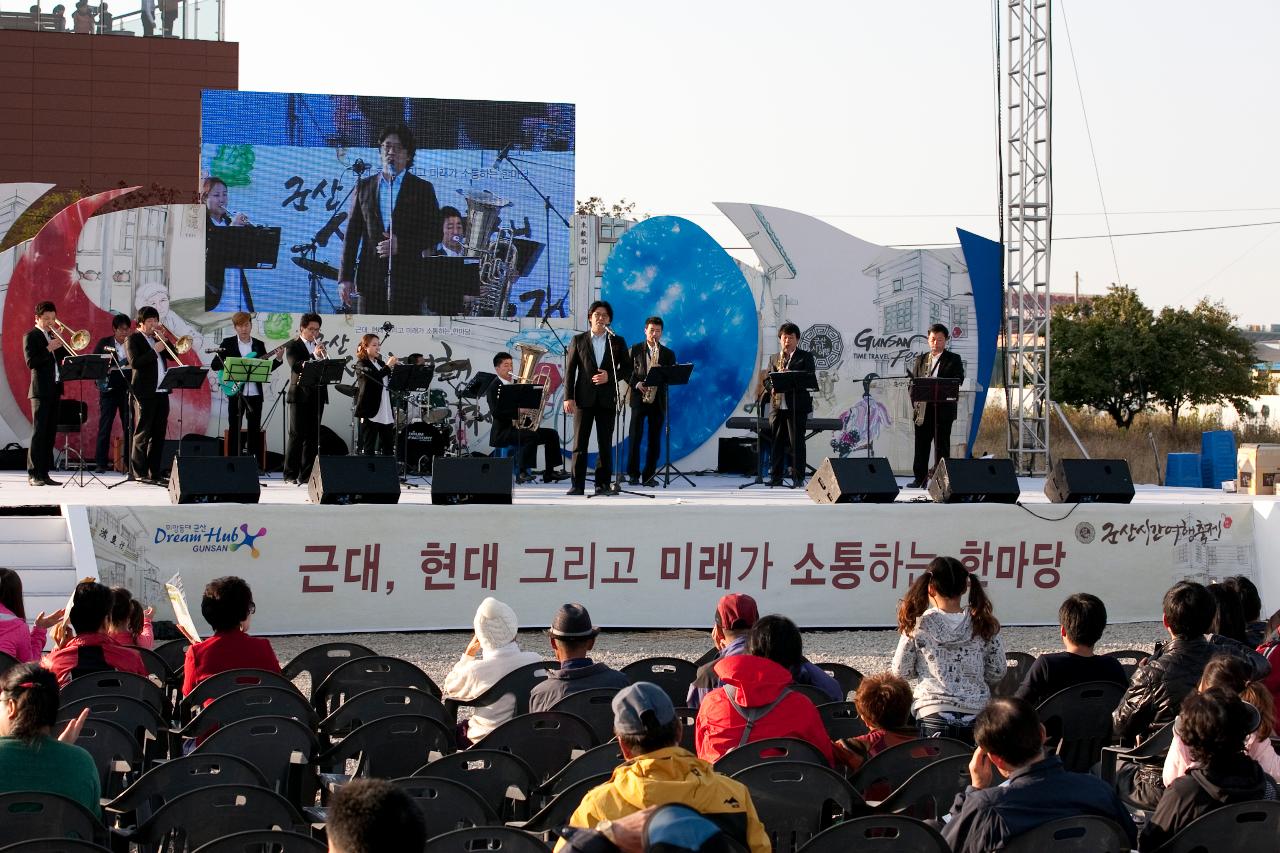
<point x="79" y="338"/>
<point x="177" y="347"/>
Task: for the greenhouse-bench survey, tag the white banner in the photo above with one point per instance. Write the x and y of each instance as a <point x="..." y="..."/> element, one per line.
<point x="364" y="568"/>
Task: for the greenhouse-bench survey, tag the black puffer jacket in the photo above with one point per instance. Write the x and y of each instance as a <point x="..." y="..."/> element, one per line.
<point x="1228" y="779"/>
<point x="1162" y="681"/>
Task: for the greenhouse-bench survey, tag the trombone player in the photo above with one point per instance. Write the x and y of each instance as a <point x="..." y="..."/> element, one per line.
<point x="148" y="354"/>
<point x="44" y="348"/>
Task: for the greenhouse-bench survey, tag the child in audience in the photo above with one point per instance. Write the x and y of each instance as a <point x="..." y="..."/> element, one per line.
<point x="16" y="640"/>
<point x="91" y="649"/>
<point x="1082" y="618"/>
<point x="953" y="650"/>
<point x="883" y="702"/>
<point x="227" y="605"/>
<point x="130" y="623"/>
<point x="492" y="653"/>
<point x="31" y="758"/>
<point x="1227" y="629"/>
<point x="1255" y="627"/>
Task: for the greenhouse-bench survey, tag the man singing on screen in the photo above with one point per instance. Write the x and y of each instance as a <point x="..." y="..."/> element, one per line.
<point x="394" y="217"/>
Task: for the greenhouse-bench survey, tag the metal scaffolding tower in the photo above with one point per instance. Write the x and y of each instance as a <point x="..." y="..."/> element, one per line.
<point x="1029" y="214"/>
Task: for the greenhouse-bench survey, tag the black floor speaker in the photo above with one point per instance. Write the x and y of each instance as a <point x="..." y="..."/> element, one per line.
<point x="213" y="479"/>
<point x="471" y="480"/>
<point x="737" y="455"/>
<point x="968" y="481"/>
<point x="354" y="480"/>
<point x="1080" y="481"/>
<point x="852" y="481"/>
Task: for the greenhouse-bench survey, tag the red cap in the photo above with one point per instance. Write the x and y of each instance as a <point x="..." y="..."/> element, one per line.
<point x="736" y="612"/>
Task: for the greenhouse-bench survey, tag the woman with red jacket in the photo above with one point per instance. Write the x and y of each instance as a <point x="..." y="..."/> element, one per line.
<point x="227" y="606"/>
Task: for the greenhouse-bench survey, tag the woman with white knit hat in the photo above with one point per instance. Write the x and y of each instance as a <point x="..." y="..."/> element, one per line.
<point x="492" y="653"/>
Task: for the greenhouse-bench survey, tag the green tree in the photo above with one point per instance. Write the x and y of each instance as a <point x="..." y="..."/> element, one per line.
<point x="1202" y="359"/>
<point x="1102" y="355"/>
<point x="596" y="206"/>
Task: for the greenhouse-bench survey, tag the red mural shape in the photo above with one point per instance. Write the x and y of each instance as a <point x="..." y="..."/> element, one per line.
<point x="46" y="270"/>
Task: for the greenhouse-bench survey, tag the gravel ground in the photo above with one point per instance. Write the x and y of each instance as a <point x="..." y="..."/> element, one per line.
<point x="866" y="651"/>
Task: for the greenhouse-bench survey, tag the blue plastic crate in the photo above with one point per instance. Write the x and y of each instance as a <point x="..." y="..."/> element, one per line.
<point x="1217" y="458"/>
<point x="1182" y="469"/>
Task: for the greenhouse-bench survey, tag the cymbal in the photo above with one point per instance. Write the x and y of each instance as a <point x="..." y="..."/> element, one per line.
<point x="319" y="268"/>
<point x="435" y="416"/>
<point x="343" y="388"/>
<point x="457" y="365"/>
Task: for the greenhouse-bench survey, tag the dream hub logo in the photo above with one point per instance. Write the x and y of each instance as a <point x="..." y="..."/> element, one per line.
<point x="204" y="538"/>
<point x="250" y="540"/>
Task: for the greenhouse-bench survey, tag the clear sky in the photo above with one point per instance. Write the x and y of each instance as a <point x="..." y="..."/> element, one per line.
<point x="877" y="116"/>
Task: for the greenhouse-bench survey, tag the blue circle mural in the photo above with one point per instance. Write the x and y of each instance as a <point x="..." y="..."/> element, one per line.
<point x="669" y="267"/>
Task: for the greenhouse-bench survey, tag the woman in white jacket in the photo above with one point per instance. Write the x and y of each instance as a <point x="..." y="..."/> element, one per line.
<point x="492" y="653"/>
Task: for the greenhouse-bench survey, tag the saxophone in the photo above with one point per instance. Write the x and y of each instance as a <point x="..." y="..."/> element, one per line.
<point x="779" y="366"/>
<point x="650" y="392"/>
<point x="530" y="355"/>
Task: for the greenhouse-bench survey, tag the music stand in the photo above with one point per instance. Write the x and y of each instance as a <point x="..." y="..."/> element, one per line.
<point x="181" y="378"/>
<point x="75" y="368"/>
<point x="511" y="399"/>
<point x="409" y="379"/>
<point x="319" y="373"/>
<point x="934" y="389"/>
<point x="784" y="382"/>
<point x="245" y="370"/>
<point x="449" y="279"/>
<point x="664" y="378"/>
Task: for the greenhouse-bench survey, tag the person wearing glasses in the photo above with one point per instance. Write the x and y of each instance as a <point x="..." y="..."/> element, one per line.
<point x="597" y="361"/>
<point x="227" y="605"/>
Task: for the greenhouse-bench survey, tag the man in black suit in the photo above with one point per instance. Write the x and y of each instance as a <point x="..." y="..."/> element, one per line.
<point x="506" y="434"/>
<point x="113" y="400"/>
<point x="306" y="403"/>
<point x="148" y="357"/>
<point x="934" y="420"/>
<point x="247" y="401"/>
<point x="597" y="361"/>
<point x="43" y="352"/>
<point x="394" y="218"/>
<point x="789" y="415"/>
<point x="643" y="356"/>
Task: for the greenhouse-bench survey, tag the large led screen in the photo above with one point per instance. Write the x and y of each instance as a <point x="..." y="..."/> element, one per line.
<point x="386" y="206"/>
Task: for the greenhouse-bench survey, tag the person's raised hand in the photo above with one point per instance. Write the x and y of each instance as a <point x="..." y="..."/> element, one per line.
<point x="47" y="622"/>
<point x="981" y="770"/>
<point x="72" y="729"/>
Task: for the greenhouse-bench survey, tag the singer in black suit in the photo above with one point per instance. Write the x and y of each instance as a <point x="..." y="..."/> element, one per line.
<point x="789" y="415"/>
<point x="148" y="358"/>
<point x="43" y="352"/>
<point x="246" y="403"/>
<point x="306" y="403"/>
<point x="505" y="433"/>
<point x="597" y="361"/>
<point x="934" y="420"/>
<point x="646" y="414"/>
<point x="113" y="397"/>
<point x="395" y="217"/>
<point x="373" y="398"/>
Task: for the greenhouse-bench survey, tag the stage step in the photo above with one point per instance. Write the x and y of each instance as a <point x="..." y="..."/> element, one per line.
<point x="39" y="549"/>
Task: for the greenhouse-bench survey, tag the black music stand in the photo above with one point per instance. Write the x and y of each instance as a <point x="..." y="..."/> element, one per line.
<point x="664" y="378"/>
<point x="253" y="247"/>
<point x="182" y="378"/>
<point x="409" y="379"/>
<point x="784" y="382"/>
<point x="76" y="368"/>
<point x="511" y="399"/>
<point x="934" y="389"/>
<point x="320" y="373"/>
<point x="448" y="281"/>
<point x="244" y="371"/>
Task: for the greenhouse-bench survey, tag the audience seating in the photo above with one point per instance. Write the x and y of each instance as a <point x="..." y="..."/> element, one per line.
<point x="689" y="723"/>
<point x="173" y="778"/>
<point x="1079" y="834"/>
<point x="1017" y="664"/>
<point x="706" y="657"/>
<point x="318" y="661"/>
<point x="673" y="675"/>
<point x="53" y="845"/>
<point x="846" y="676"/>
<point x="929" y="792"/>
<point x="447" y="805"/>
<point x="1078" y="720"/>
<point x="133" y="715"/>
<point x="878" y="834"/>
<point x="111" y="747"/>
<point x="1151" y="749"/>
<point x="768" y="749"/>
<point x="841" y="720"/>
<point x="1129" y="659"/>
<point x="356" y="676"/>
<point x="518" y="683"/>
<point x="27" y="815"/>
<point x="155" y="665"/>
<point x="594" y="707"/>
<point x="7" y="661"/>
<point x="556" y="812"/>
<point x="216" y="686"/>
<point x="256" y="840"/>
<point x="378" y="703"/>
<point x="259" y="701"/>
<point x="494" y="839"/>
<point x="206" y="814"/>
<point x="283" y="749"/>
<point x="796" y="800"/>
<point x="546" y="740"/>
<point x="898" y="763"/>
<point x="389" y="747"/>
<point x="173" y="653"/>
<point x="813" y="694"/>
<point x="113" y="683"/>
<point x="490" y="773"/>
<point x="1237" y="828"/>
<point x="593" y="762"/>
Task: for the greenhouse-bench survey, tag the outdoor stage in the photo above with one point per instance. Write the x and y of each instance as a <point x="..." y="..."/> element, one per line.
<point x="661" y="562"/>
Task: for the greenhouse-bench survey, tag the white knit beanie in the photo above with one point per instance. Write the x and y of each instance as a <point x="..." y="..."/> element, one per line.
<point x="495" y="624"/>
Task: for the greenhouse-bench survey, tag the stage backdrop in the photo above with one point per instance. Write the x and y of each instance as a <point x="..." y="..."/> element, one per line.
<point x="367" y="568"/>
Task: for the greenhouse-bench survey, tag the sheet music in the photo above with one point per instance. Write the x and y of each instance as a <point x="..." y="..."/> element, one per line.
<point x="181" y="613"/>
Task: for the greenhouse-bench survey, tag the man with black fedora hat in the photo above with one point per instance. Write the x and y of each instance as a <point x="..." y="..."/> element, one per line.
<point x="572" y="638"/>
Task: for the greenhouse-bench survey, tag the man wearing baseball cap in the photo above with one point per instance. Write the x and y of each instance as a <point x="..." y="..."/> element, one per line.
<point x="735" y="614"/>
<point x="658" y="771"/>
<point x="572" y="638"/>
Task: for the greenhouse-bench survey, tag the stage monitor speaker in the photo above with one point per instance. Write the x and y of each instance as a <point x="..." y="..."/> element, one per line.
<point x="192" y="444"/>
<point x="213" y="479"/>
<point x="471" y="480"/>
<point x="967" y="481"/>
<point x="737" y="455"/>
<point x="354" y="480"/>
<point x="1083" y="481"/>
<point x="852" y="481"/>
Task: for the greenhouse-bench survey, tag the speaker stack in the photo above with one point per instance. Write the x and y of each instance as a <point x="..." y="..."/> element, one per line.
<point x="354" y="480"/>
<point x="214" y="479"/>
<point x="471" y="480"/>
<point x="1089" y="481"/>
<point x="964" y="481"/>
<point x="849" y="481"/>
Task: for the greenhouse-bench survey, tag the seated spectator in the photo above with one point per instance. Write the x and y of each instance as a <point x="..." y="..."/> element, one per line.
<point x="129" y="624"/>
<point x="657" y="771"/>
<point x="735" y="614"/>
<point x="1255" y="627"/>
<point x="374" y="816"/>
<point x="91" y="650"/>
<point x="1227" y="630"/>
<point x="1228" y="673"/>
<point x="1213" y="725"/>
<point x="883" y="702"/>
<point x="227" y="605"/>
<point x="780" y="641"/>
<point x="1036" y="789"/>
<point x="755" y="700"/>
<point x="953" y="650"/>
<point x="1082" y="618"/>
<point x="16" y="639"/>
<point x="492" y="653"/>
<point x="668" y="828"/>
<point x="572" y="638"/>
<point x="31" y="757"/>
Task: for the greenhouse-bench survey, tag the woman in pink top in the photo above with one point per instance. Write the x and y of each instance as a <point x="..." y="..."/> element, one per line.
<point x="16" y="640"/>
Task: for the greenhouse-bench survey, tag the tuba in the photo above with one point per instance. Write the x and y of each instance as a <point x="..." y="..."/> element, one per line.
<point x="530" y="355"/>
<point x="486" y="239"/>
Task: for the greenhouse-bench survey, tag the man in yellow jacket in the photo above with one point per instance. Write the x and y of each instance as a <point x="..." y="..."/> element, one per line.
<point x="658" y="771"/>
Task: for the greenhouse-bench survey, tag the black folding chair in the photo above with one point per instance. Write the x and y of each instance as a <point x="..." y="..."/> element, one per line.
<point x="378" y="703"/>
<point x="846" y="676"/>
<point x="283" y="749"/>
<point x="447" y="805"/>
<point x="258" y="840"/>
<point x="899" y="763"/>
<point x="1129" y="659"/>
<point x="499" y="778"/>
<point x="114" y="683"/>
<point x="1237" y="828"/>
<point x="116" y="753"/>
<point x="27" y="815"/>
<point x="216" y="686"/>
<point x="595" y="706"/>
<point x="878" y="834"/>
<point x="517" y="683"/>
<point x="1078" y="834"/>
<point x="173" y="653"/>
<point x="173" y="778"/>
<point x="545" y="740"/>
<point x="768" y="749"/>
<point x="841" y="720"/>
<point x="673" y="675"/>
<point x="318" y="661"/>
<point x="929" y="792"/>
<point x="494" y="839"/>
<point x="595" y="761"/>
<point x="1017" y="665"/>
<point x="796" y="800"/>
<point x="1078" y="721"/>
<point x="8" y="661"/>
<point x="389" y="747"/>
<point x="198" y="817"/>
<point x="813" y="694"/>
<point x="54" y="845"/>
<point x="360" y="674"/>
<point x="133" y="715"/>
<point x="556" y="812"/>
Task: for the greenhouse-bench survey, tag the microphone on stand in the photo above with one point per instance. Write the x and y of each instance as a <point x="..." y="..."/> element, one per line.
<point x="502" y="155"/>
<point x="359" y="167"/>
